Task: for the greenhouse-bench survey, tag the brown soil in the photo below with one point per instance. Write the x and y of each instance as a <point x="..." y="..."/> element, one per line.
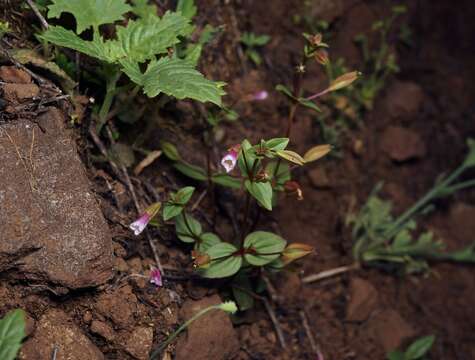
<point x="416" y="131"/>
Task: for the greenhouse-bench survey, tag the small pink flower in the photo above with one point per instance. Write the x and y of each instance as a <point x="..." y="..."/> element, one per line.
<point x="230" y="159"/>
<point x="156" y="276"/>
<point x="141" y="223"/>
<point x="260" y="95"/>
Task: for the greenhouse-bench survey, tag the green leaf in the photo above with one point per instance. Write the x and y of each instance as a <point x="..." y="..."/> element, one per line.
<point x="193" y="53"/>
<point x="291" y="156"/>
<point x="12" y="332"/>
<point x="207" y="240"/>
<point x="395" y="355"/>
<point x="187" y="8"/>
<point x="250" y="39"/>
<point x="142" y="9"/>
<point x="142" y="39"/>
<point x="282" y="175"/>
<point x="310" y="104"/>
<point x="171" y="210"/>
<point x="178" y="78"/>
<point x="242" y="287"/>
<point x="226" y="180"/>
<point x="277" y="144"/>
<point x="185" y="234"/>
<point x="285" y="90"/>
<point x="183" y="195"/>
<point x="266" y="246"/>
<point x="60" y="36"/>
<point x="419" y="348"/>
<point x="250" y="153"/>
<point x="90" y="12"/>
<point x="254" y="56"/>
<point x="132" y="70"/>
<point x="223" y="263"/>
<point x="192" y="171"/>
<point x="170" y="151"/>
<point x="261" y="191"/>
<point x="470" y="158"/>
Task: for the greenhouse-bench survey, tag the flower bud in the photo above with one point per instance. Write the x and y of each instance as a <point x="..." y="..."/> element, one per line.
<point x="293" y="187"/>
<point x="228" y="306"/>
<point x="321" y="56"/>
<point x="295" y="251"/>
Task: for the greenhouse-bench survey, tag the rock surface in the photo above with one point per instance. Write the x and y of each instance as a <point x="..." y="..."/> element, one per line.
<point x="119" y="306"/>
<point x="52" y="228"/>
<point x="138" y="343"/>
<point x="55" y="328"/>
<point x="402" y="144"/>
<point x="363" y="300"/>
<point x="210" y="337"/>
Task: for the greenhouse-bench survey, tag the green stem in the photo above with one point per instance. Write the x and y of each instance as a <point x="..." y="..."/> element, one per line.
<point x="107" y="103"/>
<point x="181" y="328"/>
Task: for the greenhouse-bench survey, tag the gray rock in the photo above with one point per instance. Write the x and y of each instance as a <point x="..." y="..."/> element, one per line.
<point x="52" y="228"/>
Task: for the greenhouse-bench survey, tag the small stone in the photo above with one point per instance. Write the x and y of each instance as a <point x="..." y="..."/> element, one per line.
<point x="170" y="315"/>
<point x="55" y="328"/>
<point x="363" y="300"/>
<point x="319" y="178"/>
<point x="135" y="264"/>
<point x="139" y="342"/>
<point x="119" y="250"/>
<point x="19" y="92"/>
<point x="12" y="74"/>
<point x="390" y="330"/>
<point x="119" y="306"/>
<point x="87" y="317"/>
<point x="210" y="337"/>
<point x="404" y="99"/>
<point x="402" y="144"/>
<point x="102" y="329"/>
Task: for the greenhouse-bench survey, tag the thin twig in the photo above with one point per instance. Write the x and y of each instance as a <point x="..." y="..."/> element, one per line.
<point x="44" y="23"/>
<point x="275" y="322"/>
<point x="270" y="288"/>
<point x="54" y="353"/>
<point x="198" y="201"/>
<point x="308" y="332"/>
<point x="330" y="273"/>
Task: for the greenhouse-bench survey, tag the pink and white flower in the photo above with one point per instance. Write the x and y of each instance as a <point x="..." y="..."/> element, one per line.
<point x="156" y="276"/>
<point x="260" y="95"/>
<point x="141" y="223"/>
<point x="229" y="160"/>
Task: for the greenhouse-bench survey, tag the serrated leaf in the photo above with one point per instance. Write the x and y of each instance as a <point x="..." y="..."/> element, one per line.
<point x="178" y="78"/>
<point x="143" y="9"/>
<point x="261" y="191"/>
<point x="187" y="231"/>
<point x="187" y="8"/>
<point x="12" y="332"/>
<point x="207" y="240"/>
<point x="265" y="246"/>
<point x="193" y="53"/>
<point x="192" y="171"/>
<point x="60" y="36"/>
<point x="419" y="348"/>
<point x="142" y="39"/>
<point x="223" y="262"/>
<point x="90" y="12"/>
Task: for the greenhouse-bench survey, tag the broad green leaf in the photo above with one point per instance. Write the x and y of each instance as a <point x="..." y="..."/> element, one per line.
<point x="178" y="78"/>
<point x="171" y="210"/>
<point x="277" y="143"/>
<point x="265" y="247"/>
<point x="192" y="171"/>
<point x="12" y="332"/>
<point x="142" y="39"/>
<point x="282" y="175"/>
<point x="224" y="261"/>
<point x="90" y="12"/>
<point x="187" y="8"/>
<point x="170" y="151"/>
<point x="132" y="70"/>
<point x="60" y="36"/>
<point x="193" y="53"/>
<point x="242" y="288"/>
<point x="187" y="231"/>
<point x="261" y="191"/>
<point x="291" y="156"/>
<point x="246" y="162"/>
<point x="226" y="180"/>
<point x="143" y="9"/>
<point x="207" y="240"/>
<point x="419" y="348"/>
<point x="183" y="195"/>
